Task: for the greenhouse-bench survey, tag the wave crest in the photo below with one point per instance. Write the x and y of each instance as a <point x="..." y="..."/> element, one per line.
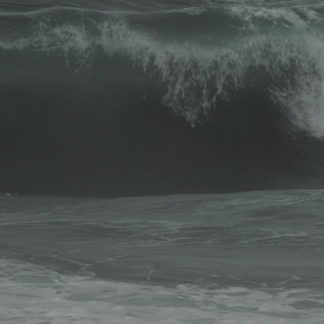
<point x="196" y="79"/>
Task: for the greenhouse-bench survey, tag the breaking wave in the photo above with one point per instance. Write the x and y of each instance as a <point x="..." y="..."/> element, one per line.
<point x="216" y="65"/>
<point x="197" y="78"/>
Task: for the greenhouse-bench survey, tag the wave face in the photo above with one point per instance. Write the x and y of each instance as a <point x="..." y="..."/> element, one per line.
<point x="113" y="97"/>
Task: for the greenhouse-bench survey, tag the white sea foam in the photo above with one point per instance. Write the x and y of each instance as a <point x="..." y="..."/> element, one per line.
<point x="196" y="78"/>
<point x="275" y="16"/>
<point x="32" y="294"/>
<point x="305" y="99"/>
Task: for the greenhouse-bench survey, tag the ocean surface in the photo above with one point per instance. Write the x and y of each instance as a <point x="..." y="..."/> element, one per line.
<point x="161" y="162"/>
<point x="243" y="258"/>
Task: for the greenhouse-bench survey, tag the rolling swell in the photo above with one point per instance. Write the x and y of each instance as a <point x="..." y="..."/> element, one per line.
<point x="192" y="100"/>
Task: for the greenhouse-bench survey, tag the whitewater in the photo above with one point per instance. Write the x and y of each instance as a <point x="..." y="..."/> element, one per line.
<point x="233" y="258"/>
<point x="162" y="162"/>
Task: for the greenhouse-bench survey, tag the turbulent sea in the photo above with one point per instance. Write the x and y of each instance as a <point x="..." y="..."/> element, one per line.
<point x="162" y="162"/>
<point x="243" y="258"/>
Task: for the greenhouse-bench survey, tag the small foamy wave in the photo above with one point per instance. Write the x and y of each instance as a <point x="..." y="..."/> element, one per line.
<point x="31" y="293"/>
